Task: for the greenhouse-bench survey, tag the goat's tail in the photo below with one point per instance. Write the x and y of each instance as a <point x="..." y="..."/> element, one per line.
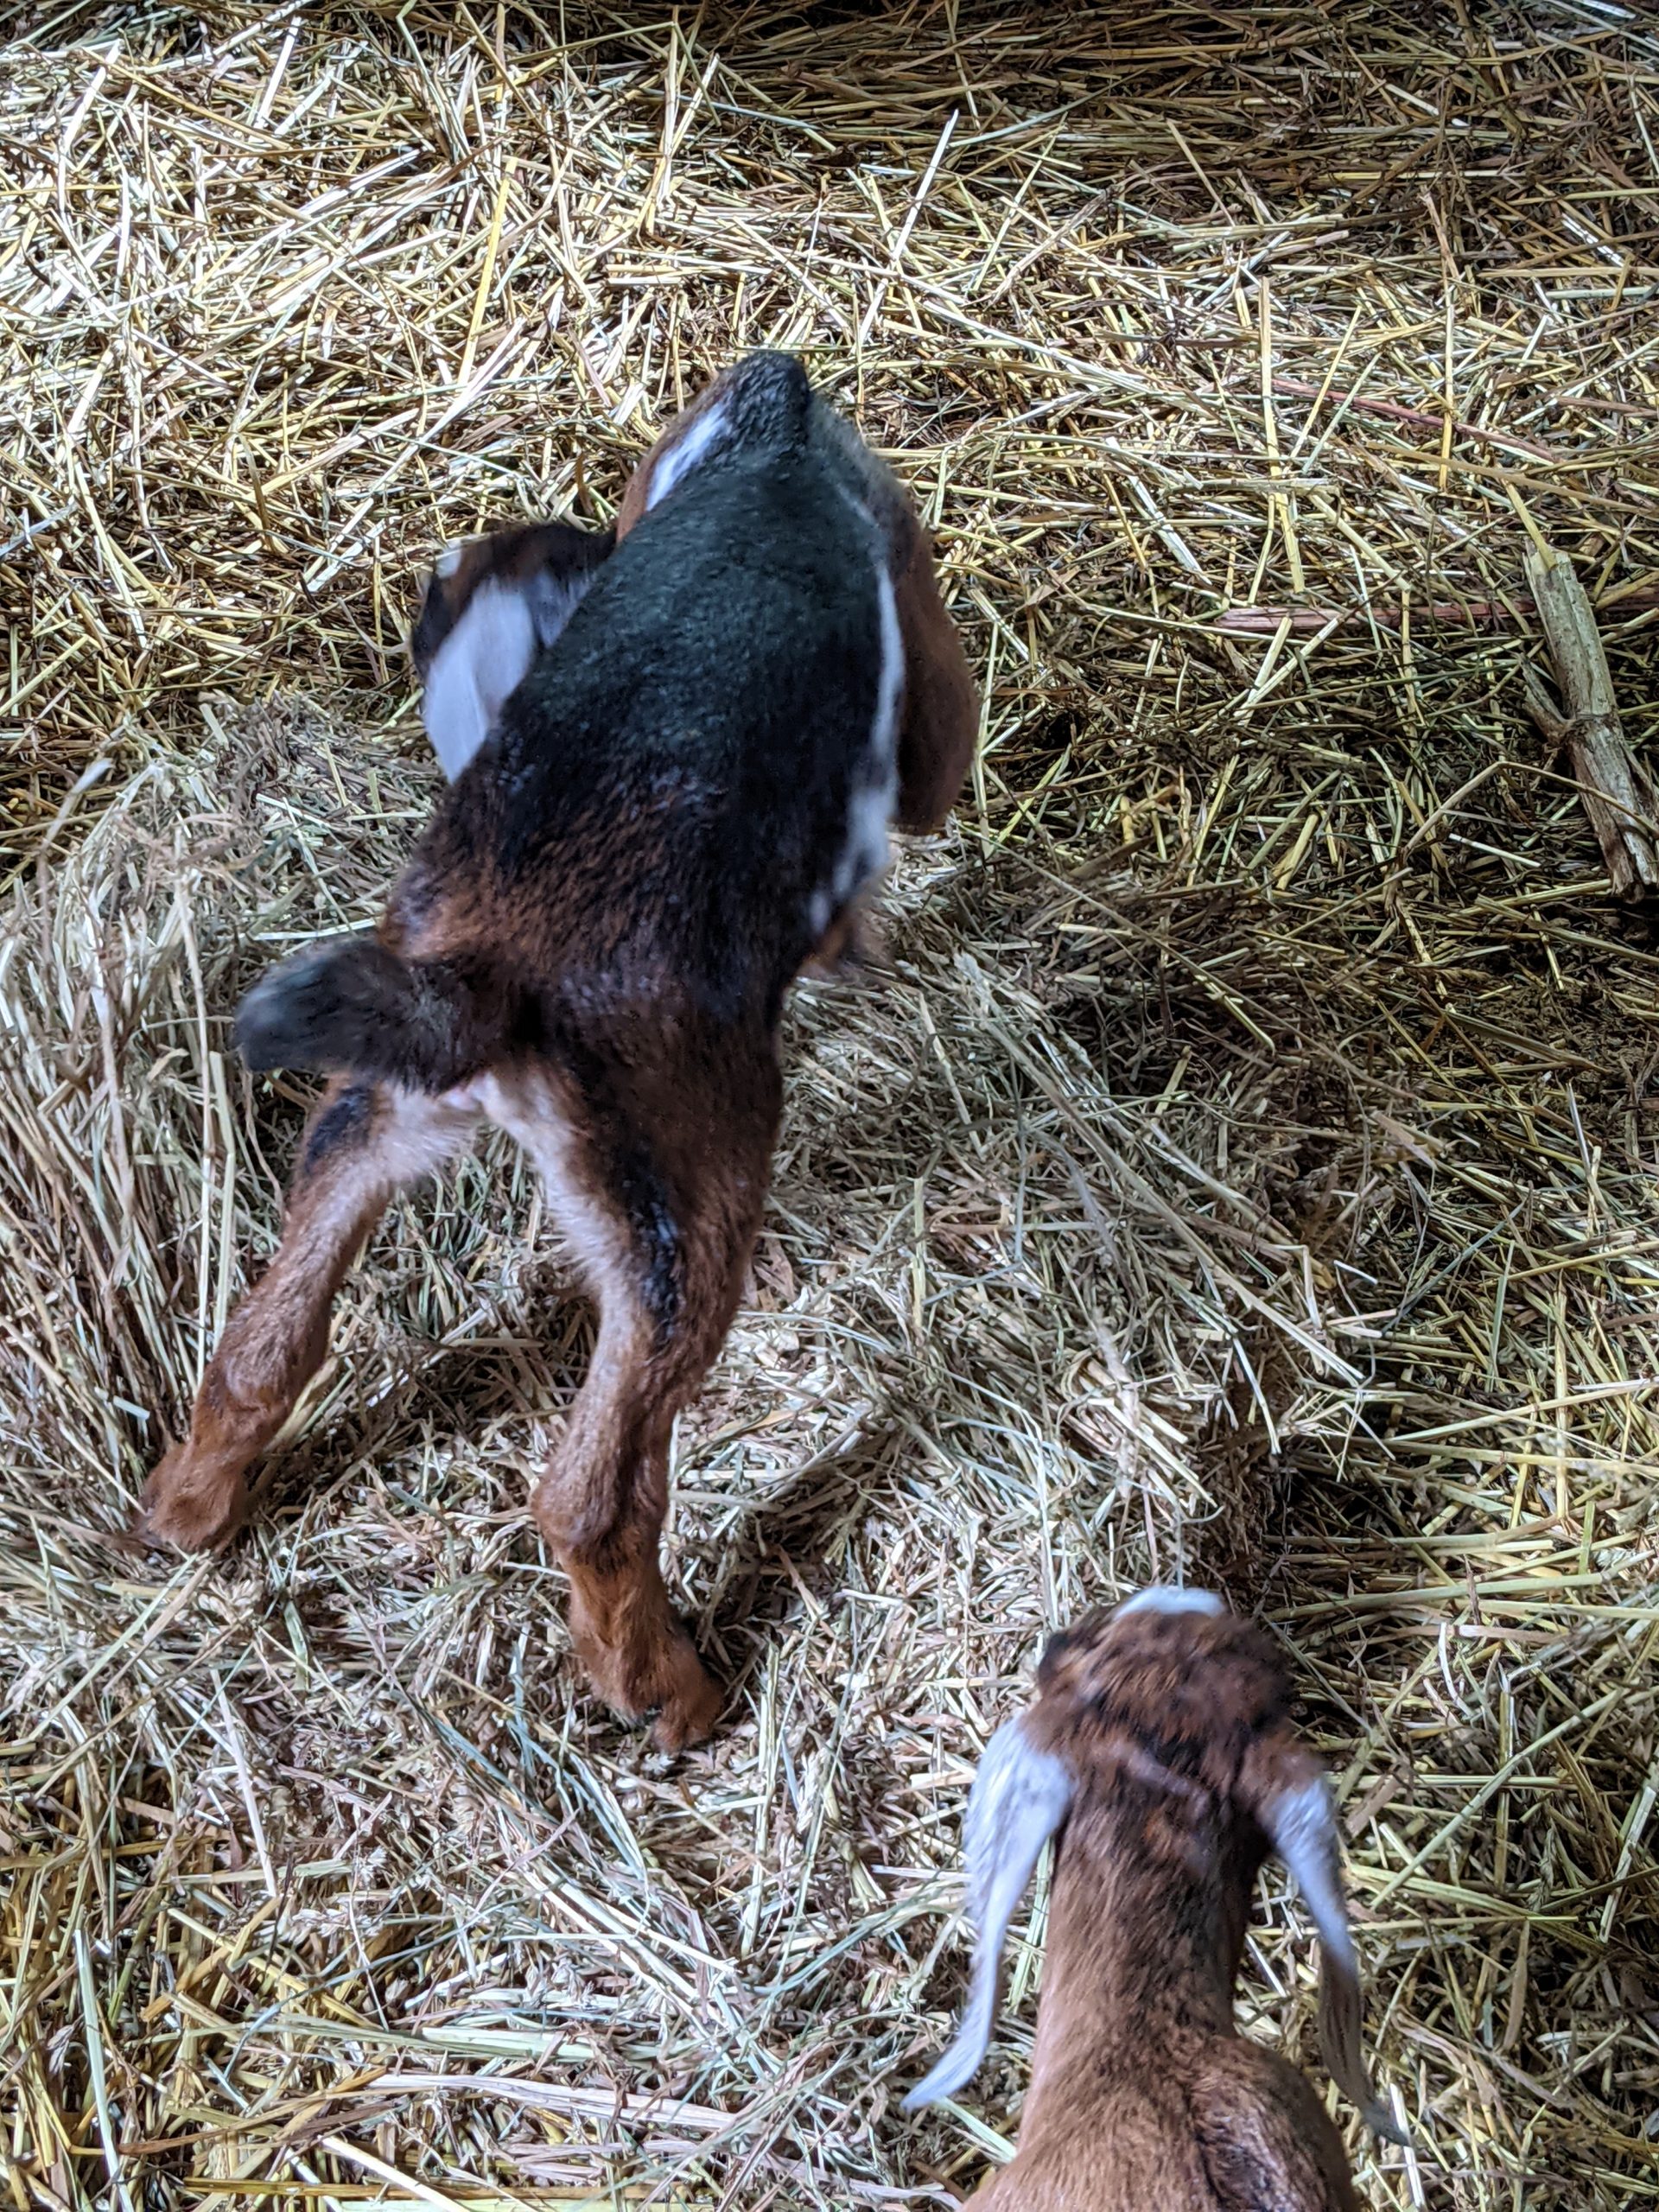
<point x="353" y="1005"/>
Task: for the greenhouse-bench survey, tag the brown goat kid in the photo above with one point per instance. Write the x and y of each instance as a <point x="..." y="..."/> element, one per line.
<point x="1159" y="1757"/>
<point x="675" y="749"/>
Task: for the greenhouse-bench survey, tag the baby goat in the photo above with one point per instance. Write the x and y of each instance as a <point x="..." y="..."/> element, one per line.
<point x="1158" y="1755"/>
<point x="676" y="750"/>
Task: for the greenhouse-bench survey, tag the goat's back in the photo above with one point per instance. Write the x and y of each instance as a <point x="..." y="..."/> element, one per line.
<point x="1237" y="2130"/>
<point x="697" y="775"/>
<point x="733" y="641"/>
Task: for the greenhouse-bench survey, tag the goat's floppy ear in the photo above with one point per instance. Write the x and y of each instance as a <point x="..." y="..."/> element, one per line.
<point x="491" y="604"/>
<point x="1298" y="1813"/>
<point x="940" y="718"/>
<point x="1019" y="1798"/>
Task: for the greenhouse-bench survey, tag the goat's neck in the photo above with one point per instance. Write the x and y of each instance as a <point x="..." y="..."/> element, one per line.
<point x="1146" y="1927"/>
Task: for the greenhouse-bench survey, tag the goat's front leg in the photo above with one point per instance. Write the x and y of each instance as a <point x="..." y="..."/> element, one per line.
<point x="363" y="1142"/>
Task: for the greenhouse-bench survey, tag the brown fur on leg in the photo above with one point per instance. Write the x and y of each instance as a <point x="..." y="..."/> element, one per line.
<point x="363" y="1141"/>
<point x="655" y="1162"/>
<point x="633" y="1649"/>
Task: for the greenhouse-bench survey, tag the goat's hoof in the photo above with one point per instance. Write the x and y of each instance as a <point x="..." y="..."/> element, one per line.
<point x="687" y="1714"/>
<point x="183" y="1507"/>
<point x="667" y="1684"/>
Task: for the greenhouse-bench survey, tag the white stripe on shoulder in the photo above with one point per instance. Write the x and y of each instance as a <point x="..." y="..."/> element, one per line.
<point x="875" y="780"/>
<point x="891" y="683"/>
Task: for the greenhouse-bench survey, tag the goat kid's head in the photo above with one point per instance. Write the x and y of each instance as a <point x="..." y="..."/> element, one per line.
<point x="1169" y="1688"/>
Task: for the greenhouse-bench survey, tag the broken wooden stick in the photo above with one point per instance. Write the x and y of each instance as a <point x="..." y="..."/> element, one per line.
<point x="1302" y="622"/>
<point x="1262" y="621"/>
<point x="1418" y="417"/>
<point x="1617" y="794"/>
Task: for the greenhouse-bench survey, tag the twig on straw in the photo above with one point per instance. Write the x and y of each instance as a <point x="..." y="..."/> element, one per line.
<point x="1618" y="795"/>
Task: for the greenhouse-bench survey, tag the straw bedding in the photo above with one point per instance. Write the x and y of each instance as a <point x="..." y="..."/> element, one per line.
<point x="1238" y="1166"/>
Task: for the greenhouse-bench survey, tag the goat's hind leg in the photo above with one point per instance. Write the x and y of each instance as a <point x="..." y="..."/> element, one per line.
<point x="662" y="1226"/>
<point x="364" y="1142"/>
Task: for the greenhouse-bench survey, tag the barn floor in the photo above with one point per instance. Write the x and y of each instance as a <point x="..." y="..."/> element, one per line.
<point x="1240" y="1165"/>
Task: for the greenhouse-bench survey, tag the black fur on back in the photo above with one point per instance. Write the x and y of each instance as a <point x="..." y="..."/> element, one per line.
<point x="658" y="830"/>
<point x="683" y="762"/>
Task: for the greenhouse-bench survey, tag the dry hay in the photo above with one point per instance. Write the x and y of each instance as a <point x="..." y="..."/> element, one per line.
<point x="1242" y="1167"/>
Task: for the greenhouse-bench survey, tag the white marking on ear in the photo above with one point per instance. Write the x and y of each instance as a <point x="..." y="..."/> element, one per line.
<point x="680" y="460"/>
<point x="1019" y="1798"/>
<point x="1164" y="1598"/>
<point x="449" y="560"/>
<point x="474" y="671"/>
<point x="1302" y="1822"/>
<point x="553" y="600"/>
<point x="865" y="853"/>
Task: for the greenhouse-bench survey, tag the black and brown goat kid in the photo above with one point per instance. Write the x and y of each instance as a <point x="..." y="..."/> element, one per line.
<point x="676" y="750"/>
